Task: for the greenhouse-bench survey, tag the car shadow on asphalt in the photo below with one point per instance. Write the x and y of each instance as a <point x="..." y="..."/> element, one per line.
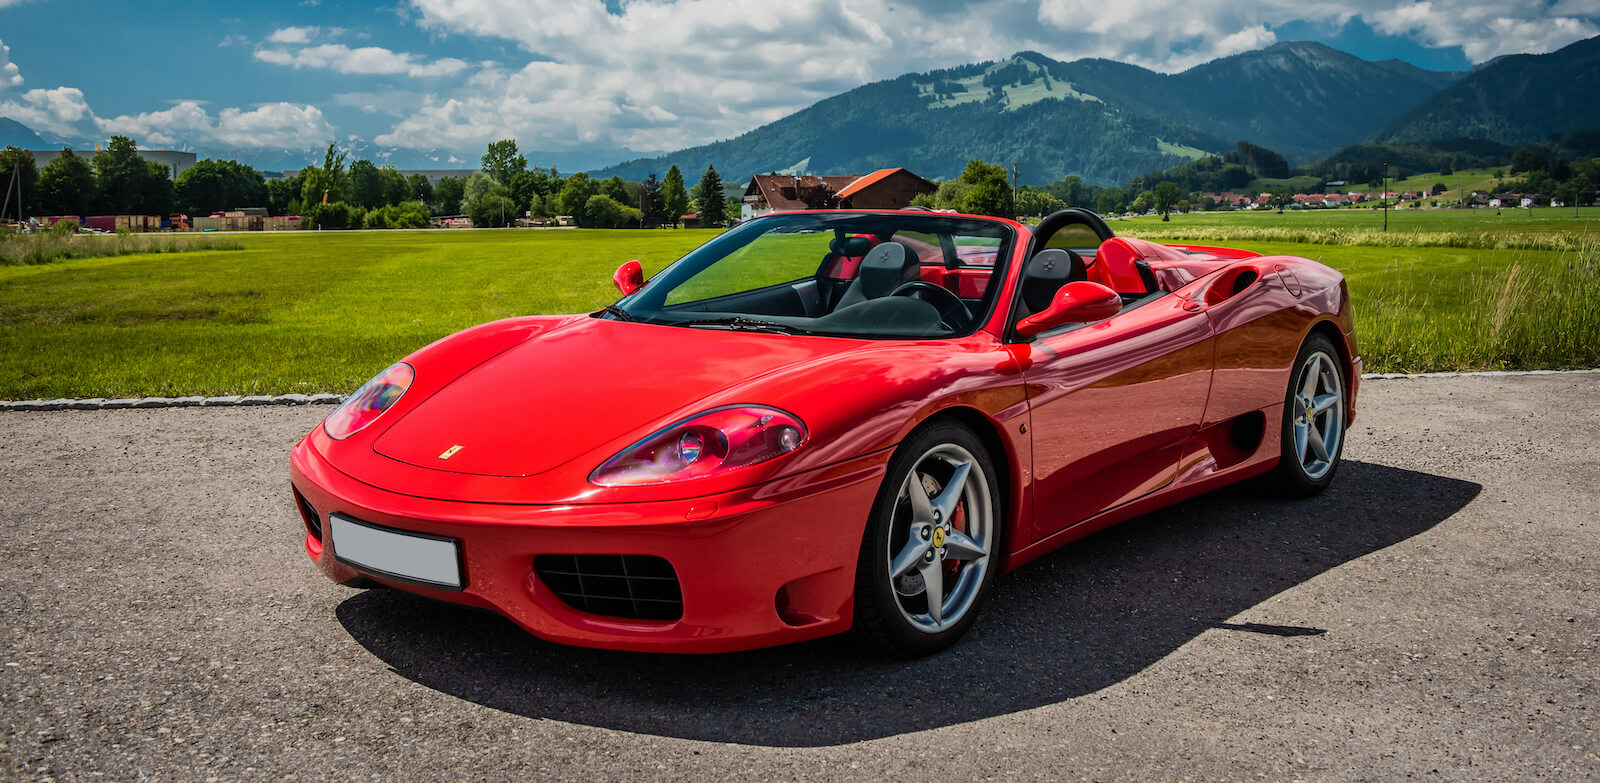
<point x="1089" y="616"/>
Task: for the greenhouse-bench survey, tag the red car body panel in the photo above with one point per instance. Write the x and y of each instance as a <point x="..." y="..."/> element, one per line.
<point x="1088" y="425"/>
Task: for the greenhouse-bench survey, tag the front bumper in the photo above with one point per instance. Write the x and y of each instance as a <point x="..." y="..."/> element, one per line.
<point x="766" y="565"/>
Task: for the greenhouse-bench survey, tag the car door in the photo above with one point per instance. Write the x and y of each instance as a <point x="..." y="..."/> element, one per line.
<point x="1111" y="404"/>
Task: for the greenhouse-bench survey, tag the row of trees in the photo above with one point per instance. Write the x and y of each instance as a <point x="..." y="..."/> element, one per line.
<point x="115" y="181"/>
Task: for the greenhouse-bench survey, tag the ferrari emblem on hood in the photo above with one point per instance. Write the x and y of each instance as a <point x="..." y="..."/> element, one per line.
<point x="450" y="452"/>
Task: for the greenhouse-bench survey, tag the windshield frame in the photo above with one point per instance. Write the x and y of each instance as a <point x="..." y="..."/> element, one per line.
<point x="648" y="304"/>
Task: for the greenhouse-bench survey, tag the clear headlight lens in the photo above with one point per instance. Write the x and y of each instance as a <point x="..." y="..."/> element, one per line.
<point x="369" y="402"/>
<point x="717" y="441"/>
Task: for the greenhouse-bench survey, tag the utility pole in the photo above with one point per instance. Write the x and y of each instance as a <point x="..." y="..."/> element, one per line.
<point x="1386" y="195"/>
<point x="1016" y="169"/>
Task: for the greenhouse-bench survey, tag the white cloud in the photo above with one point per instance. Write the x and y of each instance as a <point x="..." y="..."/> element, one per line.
<point x="365" y="60"/>
<point x="663" y="74"/>
<point x="10" y="76"/>
<point x="1484" y="31"/>
<point x="283" y="125"/>
<point x="58" y="110"/>
<point x="292" y="35"/>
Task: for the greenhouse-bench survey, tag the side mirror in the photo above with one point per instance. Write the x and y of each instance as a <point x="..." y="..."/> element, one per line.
<point x="628" y="277"/>
<point x="1076" y="303"/>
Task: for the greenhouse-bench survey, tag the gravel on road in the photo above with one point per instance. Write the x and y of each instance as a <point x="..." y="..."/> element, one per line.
<point x="1435" y="615"/>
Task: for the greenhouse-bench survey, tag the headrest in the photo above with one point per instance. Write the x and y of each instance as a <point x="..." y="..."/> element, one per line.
<point x="886" y="267"/>
<point x="1046" y="272"/>
<point x="850" y="247"/>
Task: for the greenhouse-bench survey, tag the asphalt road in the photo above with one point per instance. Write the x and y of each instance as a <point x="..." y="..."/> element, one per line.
<point x="1435" y="616"/>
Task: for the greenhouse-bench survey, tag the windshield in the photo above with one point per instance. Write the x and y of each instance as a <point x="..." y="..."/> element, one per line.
<point x="899" y="275"/>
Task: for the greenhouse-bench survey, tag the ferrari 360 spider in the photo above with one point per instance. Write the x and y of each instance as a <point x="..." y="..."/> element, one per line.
<point x="828" y="421"/>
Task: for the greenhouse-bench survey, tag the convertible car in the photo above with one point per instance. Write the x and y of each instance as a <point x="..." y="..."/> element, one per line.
<point x="828" y="421"/>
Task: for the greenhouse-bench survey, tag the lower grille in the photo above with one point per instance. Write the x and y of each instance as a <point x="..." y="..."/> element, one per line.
<point x="312" y="519"/>
<point x="637" y="587"/>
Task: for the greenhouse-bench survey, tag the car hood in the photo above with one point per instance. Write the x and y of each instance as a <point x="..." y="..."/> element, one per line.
<point x="591" y="381"/>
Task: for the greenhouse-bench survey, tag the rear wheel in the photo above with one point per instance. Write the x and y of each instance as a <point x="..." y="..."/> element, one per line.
<point x="1313" y="420"/>
<point x="928" y="556"/>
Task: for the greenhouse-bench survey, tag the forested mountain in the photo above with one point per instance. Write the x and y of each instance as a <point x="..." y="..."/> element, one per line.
<point x="1104" y="121"/>
<point x="1512" y="100"/>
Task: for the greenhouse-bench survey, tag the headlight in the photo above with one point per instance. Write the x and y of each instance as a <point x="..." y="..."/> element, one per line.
<point x="719" y="440"/>
<point x="369" y="402"/>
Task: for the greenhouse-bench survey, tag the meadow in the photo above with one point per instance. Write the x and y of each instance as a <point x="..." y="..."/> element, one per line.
<point x="323" y="312"/>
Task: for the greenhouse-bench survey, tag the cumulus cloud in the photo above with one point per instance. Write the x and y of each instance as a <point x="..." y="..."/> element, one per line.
<point x="662" y="74"/>
<point x="283" y="125"/>
<point x="10" y="75"/>
<point x="365" y="60"/>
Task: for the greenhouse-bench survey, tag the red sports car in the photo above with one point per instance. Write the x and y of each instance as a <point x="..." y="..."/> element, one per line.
<point x="828" y="421"/>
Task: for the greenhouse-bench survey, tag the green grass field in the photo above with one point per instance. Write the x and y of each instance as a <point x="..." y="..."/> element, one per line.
<point x="323" y="312"/>
<point x="292" y="313"/>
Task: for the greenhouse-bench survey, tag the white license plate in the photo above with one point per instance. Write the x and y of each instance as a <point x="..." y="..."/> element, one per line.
<point x="428" y="560"/>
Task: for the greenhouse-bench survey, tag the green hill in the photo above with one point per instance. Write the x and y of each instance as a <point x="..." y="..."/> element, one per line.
<point x="1512" y="100"/>
<point x="1103" y="121"/>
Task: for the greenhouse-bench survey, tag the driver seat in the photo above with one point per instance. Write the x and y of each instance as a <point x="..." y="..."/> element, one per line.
<point x="885" y="268"/>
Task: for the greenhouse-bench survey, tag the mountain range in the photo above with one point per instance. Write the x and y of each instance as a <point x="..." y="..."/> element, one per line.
<point x="1108" y="121"/>
<point x="1102" y="120"/>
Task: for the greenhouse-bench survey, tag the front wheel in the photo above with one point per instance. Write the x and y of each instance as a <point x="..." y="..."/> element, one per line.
<point x="1313" y="420"/>
<point x="929" y="553"/>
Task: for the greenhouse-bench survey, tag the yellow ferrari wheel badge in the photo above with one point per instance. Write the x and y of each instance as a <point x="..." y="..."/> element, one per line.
<point x="938" y="536"/>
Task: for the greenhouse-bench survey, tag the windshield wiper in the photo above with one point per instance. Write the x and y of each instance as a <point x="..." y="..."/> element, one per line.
<point x="740" y="323"/>
<point x="617" y="313"/>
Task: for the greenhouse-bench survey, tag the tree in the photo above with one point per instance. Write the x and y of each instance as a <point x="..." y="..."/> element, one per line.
<point x="711" y="202"/>
<point x="420" y="188"/>
<point x="1105" y="204"/>
<point x="366" y="185"/>
<point x="502" y="162"/>
<point x="396" y="189"/>
<point x="19" y="175"/>
<point x="606" y="212"/>
<point x="650" y="202"/>
<point x="447" y="195"/>
<point x="487" y="201"/>
<point x="493" y="209"/>
<point x="617" y="190"/>
<point x="1167" y="195"/>
<point x="66" y="186"/>
<point x="283" y="195"/>
<point x="989" y="190"/>
<point x="212" y="185"/>
<point x="673" y="197"/>
<point x="325" y="184"/>
<point x="120" y="174"/>
<point x="951" y="195"/>
<point x="924" y="200"/>
<point x="1279" y="199"/>
<point x="575" y="195"/>
<point x="1035" y="202"/>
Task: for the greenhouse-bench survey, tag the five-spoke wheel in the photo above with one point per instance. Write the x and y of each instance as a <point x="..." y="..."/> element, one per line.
<point x="928" y="557"/>
<point x="1313" y="420"/>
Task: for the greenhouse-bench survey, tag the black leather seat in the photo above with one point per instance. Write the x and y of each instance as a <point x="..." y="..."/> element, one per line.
<point x="885" y="268"/>
<point x="1044" y="275"/>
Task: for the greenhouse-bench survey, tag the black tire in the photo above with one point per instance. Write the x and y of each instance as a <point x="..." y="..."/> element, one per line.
<point x="1301" y="474"/>
<point x="885" y="608"/>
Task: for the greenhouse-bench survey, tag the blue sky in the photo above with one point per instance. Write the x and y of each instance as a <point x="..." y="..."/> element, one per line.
<point x="441" y="78"/>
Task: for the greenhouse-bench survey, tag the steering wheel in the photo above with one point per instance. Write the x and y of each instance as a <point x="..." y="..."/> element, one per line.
<point x="953" y="312"/>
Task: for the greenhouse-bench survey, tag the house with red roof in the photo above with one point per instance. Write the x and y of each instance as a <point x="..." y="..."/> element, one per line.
<point x="882" y="189"/>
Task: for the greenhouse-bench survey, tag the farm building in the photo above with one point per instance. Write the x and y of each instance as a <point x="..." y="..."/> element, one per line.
<point x="882" y="189"/>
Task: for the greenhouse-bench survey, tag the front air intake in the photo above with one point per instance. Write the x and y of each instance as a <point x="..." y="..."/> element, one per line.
<point x="636" y="587"/>
<point x="312" y="519"/>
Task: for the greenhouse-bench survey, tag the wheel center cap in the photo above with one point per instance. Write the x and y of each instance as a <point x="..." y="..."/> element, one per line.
<point x="938" y="536"/>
